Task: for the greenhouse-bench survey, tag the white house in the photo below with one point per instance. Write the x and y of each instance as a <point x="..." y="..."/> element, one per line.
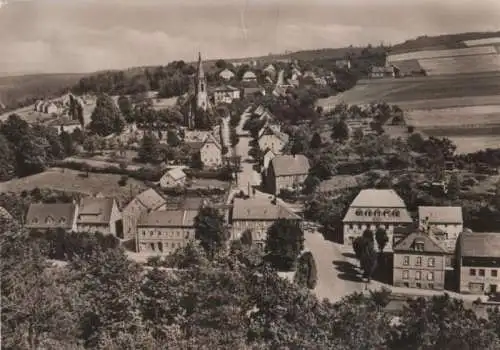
<point x="44" y="216"/>
<point x="273" y="139"/>
<point x="173" y="178"/>
<point x="226" y="94"/>
<point x="249" y="76"/>
<point x="374" y="208"/>
<point x="98" y="215"/>
<point x="268" y="157"/>
<point x="226" y="74"/>
<point x="448" y="220"/>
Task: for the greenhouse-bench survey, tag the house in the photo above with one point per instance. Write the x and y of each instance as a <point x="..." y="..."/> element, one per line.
<point x="286" y="171"/>
<point x="270" y="155"/>
<point x="64" y="123"/>
<point x="382" y="72"/>
<point x="226" y="74"/>
<point x="409" y="68"/>
<point x="145" y="202"/>
<point x="249" y="77"/>
<point x="309" y="74"/>
<point x="419" y="262"/>
<point x="99" y="215"/>
<point x="226" y="94"/>
<point x="5" y="216"/>
<point x="208" y="150"/>
<point x="478" y="262"/>
<point x="163" y="232"/>
<point x="257" y="214"/>
<point x="374" y="208"/>
<point x="271" y="138"/>
<point x="270" y="70"/>
<point x="173" y="178"/>
<point x="45" y="216"/>
<point x="343" y="63"/>
<point x="448" y="220"/>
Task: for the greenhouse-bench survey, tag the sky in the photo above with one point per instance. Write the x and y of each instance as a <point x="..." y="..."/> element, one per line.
<point x="73" y="36"/>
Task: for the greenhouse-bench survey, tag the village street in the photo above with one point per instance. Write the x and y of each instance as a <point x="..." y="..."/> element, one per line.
<point x="335" y="272"/>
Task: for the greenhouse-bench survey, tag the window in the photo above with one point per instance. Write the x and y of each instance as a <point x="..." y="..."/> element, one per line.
<point x="160" y="247"/>
<point x="35" y="220"/>
<point x="419" y="261"/>
<point x="144" y="233"/>
<point x="377" y="212"/>
<point x="431" y="262"/>
<point x="368" y="212"/>
<point x="472" y="272"/>
<point x="350" y="226"/>
<point x="359" y="212"/>
<point x="62" y="220"/>
<point x="406" y="274"/>
<point x="406" y="284"/>
<point x="418" y="275"/>
<point x="419" y="285"/>
<point x="152" y="246"/>
<point x="151" y="233"/>
<point x="430" y="276"/>
<point x="395" y="213"/>
<point x="493" y="273"/>
<point x="431" y="285"/>
<point x="406" y="260"/>
<point x="419" y="246"/>
<point x="481" y="272"/>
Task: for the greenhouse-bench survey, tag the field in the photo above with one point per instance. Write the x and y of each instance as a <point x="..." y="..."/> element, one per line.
<point x="73" y="181"/>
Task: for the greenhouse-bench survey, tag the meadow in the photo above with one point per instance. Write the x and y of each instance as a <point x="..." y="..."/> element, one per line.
<point x="76" y="181"/>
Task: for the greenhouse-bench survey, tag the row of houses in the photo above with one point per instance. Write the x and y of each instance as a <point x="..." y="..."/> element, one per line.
<point x="155" y="225"/>
<point x="423" y="252"/>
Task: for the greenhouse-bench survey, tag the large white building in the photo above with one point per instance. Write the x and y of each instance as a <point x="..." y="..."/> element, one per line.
<point x="447" y="220"/>
<point x="374" y="208"/>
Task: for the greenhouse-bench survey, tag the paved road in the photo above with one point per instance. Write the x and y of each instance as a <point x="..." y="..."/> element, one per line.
<point x="334" y="272"/>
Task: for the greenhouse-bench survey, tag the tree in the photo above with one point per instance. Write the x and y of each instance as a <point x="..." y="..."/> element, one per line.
<point x="210" y="230"/>
<point x="126" y="108"/>
<point x="91" y="144"/>
<point x="67" y="143"/>
<point x="172" y="138"/>
<point x="453" y="187"/>
<point x="221" y="64"/>
<point x="381" y="238"/>
<point x="32" y="155"/>
<point x="306" y="274"/>
<point x="365" y="252"/>
<point x="316" y="141"/>
<point x="106" y="117"/>
<point x="246" y="238"/>
<point x="311" y="183"/>
<point x="284" y="242"/>
<point x="340" y="131"/>
<point x="7" y="159"/>
<point x="149" y="149"/>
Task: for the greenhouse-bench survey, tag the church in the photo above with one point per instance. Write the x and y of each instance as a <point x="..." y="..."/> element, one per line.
<point x="198" y="105"/>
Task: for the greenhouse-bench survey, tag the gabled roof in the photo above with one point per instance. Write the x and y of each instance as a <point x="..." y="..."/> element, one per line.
<point x="273" y="130"/>
<point x="51" y="215"/>
<point x="378" y="198"/>
<point x="169" y="218"/>
<point x="270" y="68"/>
<point x="5" y="215"/>
<point x="260" y="209"/>
<point x="195" y="136"/>
<point x="95" y="210"/>
<point x="175" y="173"/>
<point x="211" y="139"/>
<point x="480" y="244"/>
<point x="286" y="165"/>
<point x="150" y="199"/>
<point x="441" y="215"/>
<point x="224" y="88"/>
<point x="408" y="243"/>
<point x="249" y="75"/>
<point x="62" y="121"/>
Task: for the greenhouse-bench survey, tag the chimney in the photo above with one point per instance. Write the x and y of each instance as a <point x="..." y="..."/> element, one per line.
<point x="249" y="189"/>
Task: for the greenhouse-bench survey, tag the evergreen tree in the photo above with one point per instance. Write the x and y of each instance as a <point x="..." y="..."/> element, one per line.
<point x="106" y="118"/>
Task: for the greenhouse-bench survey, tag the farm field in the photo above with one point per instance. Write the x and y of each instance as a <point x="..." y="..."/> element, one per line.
<point x="73" y="181"/>
<point x="469" y="144"/>
<point x="482" y="115"/>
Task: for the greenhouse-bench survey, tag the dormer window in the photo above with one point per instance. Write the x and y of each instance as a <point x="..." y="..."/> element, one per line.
<point x="35" y="220"/>
<point x="395" y="213"/>
<point x="387" y="212"/>
<point x="418" y="245"/>
<point x="368" y="212"/>
<point x="49" y="220"/>
<point x="62" y="220"/>
<point x="359" y="212"/>
<point x="377" y="213"/>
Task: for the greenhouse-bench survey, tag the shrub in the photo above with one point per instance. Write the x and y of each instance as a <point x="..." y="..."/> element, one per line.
<point x="307" y="273"/>
<point x="154" y="261"/>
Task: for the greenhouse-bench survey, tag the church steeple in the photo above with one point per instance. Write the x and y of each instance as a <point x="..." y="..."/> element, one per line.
<point x="201" y="72"/>
<point x="201" y="87"/>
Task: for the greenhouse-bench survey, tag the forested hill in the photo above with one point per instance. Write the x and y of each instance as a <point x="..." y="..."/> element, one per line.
<point x="440" y="42"/>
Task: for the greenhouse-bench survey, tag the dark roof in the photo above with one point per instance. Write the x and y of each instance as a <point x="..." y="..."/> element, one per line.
<point x="408" y="66"/>
<point x="169" y="218"/>
<point x="53" y="215"/>
<point x="480" y="244"/>
<point x="407" y="244"/>
<point x="285" y="165"/>
<point x="150" y="199"/>
<point x="95" y="210"/>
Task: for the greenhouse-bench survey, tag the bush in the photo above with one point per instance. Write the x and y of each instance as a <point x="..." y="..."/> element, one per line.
<point x="154" y="261"/>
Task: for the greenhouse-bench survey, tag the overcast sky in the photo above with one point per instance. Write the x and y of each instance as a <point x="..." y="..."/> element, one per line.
<point x="89" y="35"/>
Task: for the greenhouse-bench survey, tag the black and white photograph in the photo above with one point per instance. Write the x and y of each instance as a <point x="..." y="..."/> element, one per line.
<point x="250" y="174"/>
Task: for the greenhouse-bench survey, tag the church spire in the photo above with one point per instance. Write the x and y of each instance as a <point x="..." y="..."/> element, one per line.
<point x="201" y="73"/>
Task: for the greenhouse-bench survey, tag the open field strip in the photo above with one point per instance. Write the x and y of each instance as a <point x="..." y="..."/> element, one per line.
<point x="418" y="55"/>
<point x="469" y="144"/>
<point x="486" y="41"/>
<point x="462" y="116"/>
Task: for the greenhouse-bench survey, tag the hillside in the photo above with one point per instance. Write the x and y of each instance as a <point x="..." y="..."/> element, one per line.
<point x="18" y="91"/>
<point x="440" y="42"/>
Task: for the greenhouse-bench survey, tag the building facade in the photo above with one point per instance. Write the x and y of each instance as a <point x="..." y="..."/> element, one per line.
<point x="99" y="215"/>
<point x="163" y="232"/>
<point x="286" y="172"/>
<point x="478" y="262"/>
<point x="271" y="138"/>
<point x="257" y="215"/>
<point x="448" y="220"/>
<point x="419" y="262"/>
<point x="226" y="74"/>
<point x="226" y="94"/>
<point x="145" y="202"/>
<point x="374" y="208"/>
